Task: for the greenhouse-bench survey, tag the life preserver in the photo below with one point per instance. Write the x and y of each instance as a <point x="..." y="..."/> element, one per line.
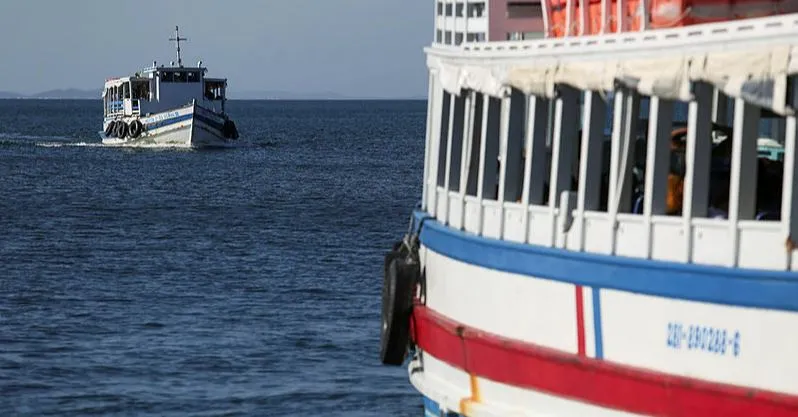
<point x="109" y="130"/>
<point x="401" y="273"/>
<point x="121" y="129"/>
<point x="135" y="128"/>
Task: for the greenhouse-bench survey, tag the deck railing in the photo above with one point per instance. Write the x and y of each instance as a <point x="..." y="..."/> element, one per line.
<point x="466" y="190"/>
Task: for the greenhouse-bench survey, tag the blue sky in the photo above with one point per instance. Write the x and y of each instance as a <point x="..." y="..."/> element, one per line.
<point x="352" y="47"/>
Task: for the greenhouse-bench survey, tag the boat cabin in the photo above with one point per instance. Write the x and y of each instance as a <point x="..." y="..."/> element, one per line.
<point x="157" y="89"/>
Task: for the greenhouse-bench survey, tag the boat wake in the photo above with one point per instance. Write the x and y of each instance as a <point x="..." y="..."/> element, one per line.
<point x="24" y="140"/>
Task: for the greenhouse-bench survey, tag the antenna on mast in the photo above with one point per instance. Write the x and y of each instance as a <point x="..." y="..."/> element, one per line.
<point x="177" y="39"/>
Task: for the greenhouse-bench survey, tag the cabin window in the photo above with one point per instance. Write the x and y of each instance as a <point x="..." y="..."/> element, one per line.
<point x="141" y="90"/>
<point x="456" y="147"/>
<point x="180" y="77"/>
<point x="490" y="182"/>
<point x="449" y="9"/>
<point x="516" y="135"/>
<point x="440" y="9"/>
<point x="193" y="76"/>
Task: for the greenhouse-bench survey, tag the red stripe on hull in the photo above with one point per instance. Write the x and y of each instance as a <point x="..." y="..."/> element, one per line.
<point x="589" y="380"/>
<point x="580" y="322"/>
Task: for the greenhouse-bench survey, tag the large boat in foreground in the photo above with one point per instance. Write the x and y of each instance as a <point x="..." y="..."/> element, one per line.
<point x="606" y="216"/>
<point x="173" y="106"/>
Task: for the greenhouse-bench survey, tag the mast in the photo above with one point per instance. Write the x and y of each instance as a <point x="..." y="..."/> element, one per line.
<point x="177" y="39"/>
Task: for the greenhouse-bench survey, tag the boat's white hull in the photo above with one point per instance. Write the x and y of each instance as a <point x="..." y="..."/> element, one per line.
<point x="512" y="329"/>
<point x="188" y="127"/>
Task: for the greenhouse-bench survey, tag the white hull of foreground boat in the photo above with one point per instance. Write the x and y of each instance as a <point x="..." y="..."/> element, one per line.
<point x="189" y="127"/>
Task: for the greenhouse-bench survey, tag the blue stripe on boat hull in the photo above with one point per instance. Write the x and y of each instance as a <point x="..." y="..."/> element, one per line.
<point x="433" y="409"/>
<point x="776" y="290"/>
<point x="168" y="122"/>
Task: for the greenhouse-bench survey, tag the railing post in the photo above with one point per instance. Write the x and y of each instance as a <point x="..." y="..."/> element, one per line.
<point x="465" y="158"/>
<point x="742" y="189"/>
<point x="482" y="152"/>
<point x="789" y="198"/>
<point x="584" y="18"/>
<point x="562" y="145"/>
<point x="697" y="160"/>
<point x="658" y="154"/>
<point x="428" y="142"/>
<point x="503" y="136"/>
<point x="447" y="170"/>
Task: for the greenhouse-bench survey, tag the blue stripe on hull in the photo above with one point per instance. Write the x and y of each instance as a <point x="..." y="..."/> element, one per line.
<point x="776" y="290"/>
<point x="432" y="409"/>
<point x="167" y="122"/>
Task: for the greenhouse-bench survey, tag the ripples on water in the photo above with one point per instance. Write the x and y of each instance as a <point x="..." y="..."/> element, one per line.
<point x="228" y="282"/>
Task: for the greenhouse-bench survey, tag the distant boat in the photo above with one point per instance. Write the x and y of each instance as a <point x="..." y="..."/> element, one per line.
<point x="167" y="106"/>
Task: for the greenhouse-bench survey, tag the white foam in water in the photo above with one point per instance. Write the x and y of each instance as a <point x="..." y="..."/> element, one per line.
<point x="62" y="141"/>
<point x="63" y="144"/>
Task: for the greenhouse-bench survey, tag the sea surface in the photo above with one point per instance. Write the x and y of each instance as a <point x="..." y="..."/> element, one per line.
<point x="234" y="282"/>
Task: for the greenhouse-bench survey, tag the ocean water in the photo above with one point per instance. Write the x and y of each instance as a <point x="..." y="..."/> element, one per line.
<point x="235" y="282"/>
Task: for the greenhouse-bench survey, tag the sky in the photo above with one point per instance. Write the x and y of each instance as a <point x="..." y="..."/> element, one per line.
<point x="361" y="48"/>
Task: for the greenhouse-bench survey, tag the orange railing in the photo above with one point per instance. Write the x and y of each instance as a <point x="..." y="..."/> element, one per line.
<point x="592" y="17"/>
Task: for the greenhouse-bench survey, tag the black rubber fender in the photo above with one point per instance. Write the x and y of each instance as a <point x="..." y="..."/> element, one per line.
<point x="121" y="129"/>
<point x="110" y="129"/>
<point x="135" y="128"/>
<point x="399" y="283"/>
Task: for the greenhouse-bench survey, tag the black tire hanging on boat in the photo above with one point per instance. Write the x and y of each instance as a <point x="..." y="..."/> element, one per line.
<point x="121" y="130"/>
<point x="135" y="128"/>
<point x="109" y="130"/>
<point x="401" y="275"/>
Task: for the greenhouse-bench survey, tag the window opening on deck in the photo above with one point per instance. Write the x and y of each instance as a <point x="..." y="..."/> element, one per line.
<point x="141" y="90"/>
<point x="444" y="138"/>
<point x="455" y="148"/>
<point x="760" y="169"/>
<point x="516" y="137"/>
<point x="214" y="90"/>
<point x="490" y="182"/>
<point x="474" y="146"/>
